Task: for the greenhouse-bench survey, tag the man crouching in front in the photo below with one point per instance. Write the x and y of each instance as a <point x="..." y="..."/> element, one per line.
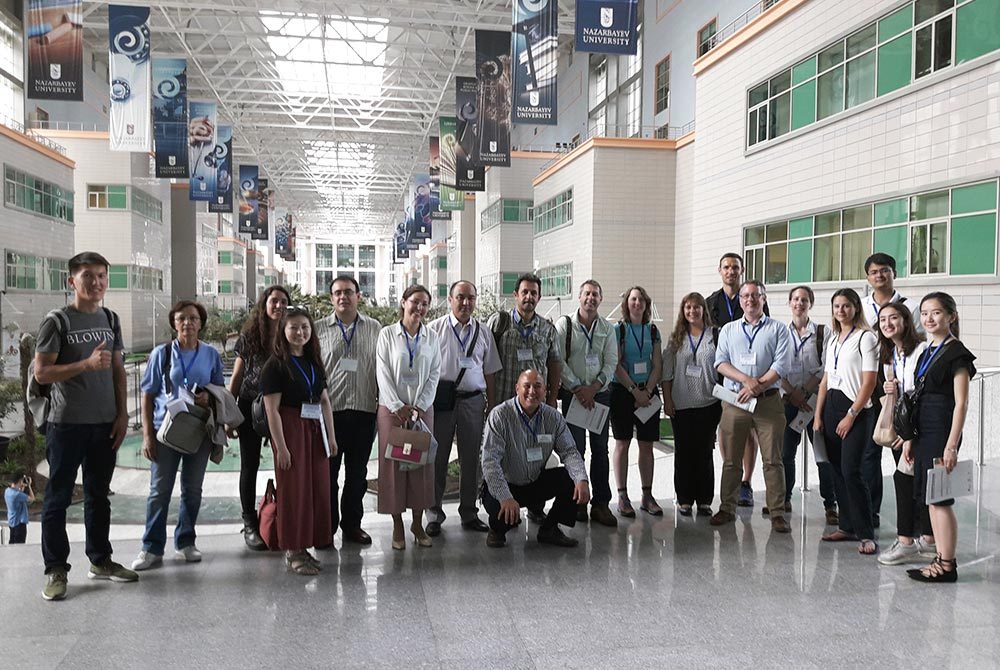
<point x="521" y="434"/>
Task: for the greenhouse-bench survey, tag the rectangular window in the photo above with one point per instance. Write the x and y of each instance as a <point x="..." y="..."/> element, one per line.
<point x="442" y="290"/>
<point x="442" y="262"/>
<point x="557" y="280"/>
<point x="366" y="256"/>
<point x="323" y="280"/>
<point x="554" y="213"/>
<point x="662" y="85"/>
<point x="508" y="282"/>
<point x="28" y="193"/>
<point x="225" y="258"/>
<point x="146" y="205"/>
<point x="367" y="282"/>
<point x="107" y="196"/>
<point x="324" y="255"/>
<point x="225" y="287"/>
<point x="706" y="37"/>
<point x="345" y="255"/>
<point x="118" y="276"/>
<point x="976" y="32"/>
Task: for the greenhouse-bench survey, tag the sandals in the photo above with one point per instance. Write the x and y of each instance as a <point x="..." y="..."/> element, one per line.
<point x="684" y="510"/>
<point x="302" y="563"/>
<point x="940" y="570"/>
<point x="838" y="536"/>
<point x="421" y="538"/>
<point x="625" y="505"/>
<point x="867" y="547"/>
<point x="649" y="504"/>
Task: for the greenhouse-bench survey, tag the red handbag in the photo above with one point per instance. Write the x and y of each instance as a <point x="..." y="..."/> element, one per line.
<point x="268" y="516"/>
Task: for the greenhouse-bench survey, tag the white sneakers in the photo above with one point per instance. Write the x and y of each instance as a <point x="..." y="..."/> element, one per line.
<point x="900" y="553"/>
<point x="147" y="560"/>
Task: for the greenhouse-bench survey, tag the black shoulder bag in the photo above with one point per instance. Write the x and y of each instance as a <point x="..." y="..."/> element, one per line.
<point x="447" y="391"/>
<point x="906" y="410"/>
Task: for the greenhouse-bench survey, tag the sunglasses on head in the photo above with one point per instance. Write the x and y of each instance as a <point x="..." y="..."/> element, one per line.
<point x="296" y="310"/>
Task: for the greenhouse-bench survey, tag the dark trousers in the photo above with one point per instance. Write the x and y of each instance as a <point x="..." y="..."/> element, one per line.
<point x="912" y="517"/>
<point x="464" y="422"/>
<point x="69" y="446"/>
<point x="554" y="483"/>
<point x="19" y="534"/>
<point x="871" y="463"/>
<point x="694" y="444"/>
<point x="355" y="432"/>
<point x="846" y="457"/>
<point x="600" y="469"/>
<point x="250" y="445"/>
<point x="827" y="490"/>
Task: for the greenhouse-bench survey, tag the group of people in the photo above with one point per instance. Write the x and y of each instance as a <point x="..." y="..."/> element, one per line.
<point x="726" y="372"/>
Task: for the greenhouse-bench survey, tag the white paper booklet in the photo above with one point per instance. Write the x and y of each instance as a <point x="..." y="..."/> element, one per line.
<point x="590" y="419"/>
<point x="803" y="419"/>
<point x="944" y="485"/>
<point x="652" y="409"/>
<point x="725" y="395"/>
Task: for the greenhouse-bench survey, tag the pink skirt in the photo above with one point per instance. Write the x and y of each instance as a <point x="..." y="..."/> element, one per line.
<point x="401" y="490"/>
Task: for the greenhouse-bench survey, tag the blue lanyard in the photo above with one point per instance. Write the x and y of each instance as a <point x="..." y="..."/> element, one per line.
<point x="801" y="342"/>
<point x="589" y="336"/>
<point x="695" y="347"/>
<point x="343" y="332"/>
<point x="461" y="342"/>
<point x="756" y="331"/>
<point x="416" y="344"/>
<point x="729" y="305"/>
<point x="525" y="334"/>
<point x="528" y="422"/>
<point x="839" y="346"/>
<point x="184" y="367"/>
<point x="895" y="372"/>
<point x="639" y="341"/>
<point x="925" y="360"/>
<point x="311" y="381"/>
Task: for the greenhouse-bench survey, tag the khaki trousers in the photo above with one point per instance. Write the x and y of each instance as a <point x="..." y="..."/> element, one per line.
<point x="768" y="419"/>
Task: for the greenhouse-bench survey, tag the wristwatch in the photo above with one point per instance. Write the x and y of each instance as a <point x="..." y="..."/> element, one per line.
<point x="853" y="412"/>
<point x="632" y="388"/>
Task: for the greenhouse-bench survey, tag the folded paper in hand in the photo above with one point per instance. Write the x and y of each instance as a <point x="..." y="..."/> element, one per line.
<point x="727" y="396"/>
<point x="944" y="485"/>
<point x="650" y="410"/>
<point x="803" y="419"/>
<point x="590" y="419"/>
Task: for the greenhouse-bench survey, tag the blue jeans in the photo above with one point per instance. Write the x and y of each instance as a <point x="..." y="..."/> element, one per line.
<point x="162" y="474"/>
<point x="827" y="490"/>
<point x="600" y="469"/>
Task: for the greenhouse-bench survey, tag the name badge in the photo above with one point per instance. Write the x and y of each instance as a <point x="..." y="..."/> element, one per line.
<point x="409" y="378"/>
<point x="692" y="371"/>
<point x="749" y="358"/>
<point x="466" y="362"/>
<point x="534" y="454"/>
<point x="798" y="367"/>
<point x="593" y="361"/>
<point x="833" y="379"/>
<point x="640" y="368"/>
<point x="348" y="364"/>
<point x="311" y="410"/>
<point x="525" y="355"/>
<point x="544" y="439"/>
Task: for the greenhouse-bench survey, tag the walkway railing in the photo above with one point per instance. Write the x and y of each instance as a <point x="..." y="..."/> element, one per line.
<point x="70" y="125"/>
<point x="27" y="132"/>
<point x="623" y="131"/>
<point x="743" y="19"/>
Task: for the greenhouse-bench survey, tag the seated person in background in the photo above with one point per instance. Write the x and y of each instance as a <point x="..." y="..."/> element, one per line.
<point x="521" y="434"/>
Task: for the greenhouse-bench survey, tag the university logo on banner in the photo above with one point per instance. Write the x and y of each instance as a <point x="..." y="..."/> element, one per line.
<point x="282" y="235"/>
<point x="493" y="76"/>
<point x="536" y="61"/>
<point x="451" y="199"/>
<point x="248" y="199"/>
<point x="420" y="207"/>
<point x="222" y="201"/>
<point x="437" y="213"/>
<point x="54" y="36"/>
<point x="170" y="117"/>
<point x="129" y="114"/>
<point x="264" y="195"/>
<point x="469" y="175"/>
<point x="201" y="150"/>
<point x="607" y="26"/>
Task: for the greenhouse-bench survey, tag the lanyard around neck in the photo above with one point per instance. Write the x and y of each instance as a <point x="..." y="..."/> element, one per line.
<point x="184" y="365"/>
<point x="348" y="338"/>
<point x="416" y="343"/>
<point x="310" y="380"/>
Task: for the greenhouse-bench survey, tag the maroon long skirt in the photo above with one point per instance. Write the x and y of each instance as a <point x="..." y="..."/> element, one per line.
<point x="304" y="489"/>
<point x="399" y="490"/>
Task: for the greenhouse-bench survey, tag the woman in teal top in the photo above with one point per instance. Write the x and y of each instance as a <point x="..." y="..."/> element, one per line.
<point x="636" y="385"/>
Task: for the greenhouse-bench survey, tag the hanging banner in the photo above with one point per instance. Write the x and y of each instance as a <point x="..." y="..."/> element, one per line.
<point x="494" y="79"/>
<point x="201" y="150"/>
<point x="536" y="61"/>
<point x="469" y="176"/>
<point x="54" y="33"/>
<point x="263" y="211"/>
<point x="222" y="203"/>
<point x="607" y="26"/>
<point x="451" y="199"/>
<point x="420" y="208"/>
<point x="129" y="117"/>
<point x="170" y="117"/>
<point x="282" y="235"/>
<point x="402" y="251"/>
<point x="248" y="199"/>
<point x="437" y="213"/>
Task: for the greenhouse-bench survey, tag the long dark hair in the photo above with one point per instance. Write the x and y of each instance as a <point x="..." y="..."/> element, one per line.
<point x="257" y="334"/>
<point x="310" y="351"/>
<point x="947" y="304"/>
<point x="681" y="327"/>
<point x="909" y="337"/>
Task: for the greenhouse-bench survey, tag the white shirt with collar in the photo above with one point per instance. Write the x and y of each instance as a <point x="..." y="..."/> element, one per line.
<point x="399" y="383"/>
<point x="805" y="359"/>
<point x="485" y="359"/>
<point x="871" y="308"/>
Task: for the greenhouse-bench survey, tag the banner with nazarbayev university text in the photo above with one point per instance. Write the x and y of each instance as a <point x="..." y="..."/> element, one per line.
<point x="494" y="80"/>
<point x="222" y="203"/>
<point x="535" y="49"/>
<point x="607" y="26"/>
<point x="202" y="124"/>
<point x="53" y="34"/>
<point x="248" y="199"/>
<point x="260" y="231"/>
<point x="451" y="200"/>
<point x="170" y="117"/>
<point x="129" y="115"/>
<point x="469" y="175"/>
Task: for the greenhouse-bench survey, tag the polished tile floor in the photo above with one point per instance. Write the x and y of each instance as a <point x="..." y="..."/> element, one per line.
<point x="655" y="593"/>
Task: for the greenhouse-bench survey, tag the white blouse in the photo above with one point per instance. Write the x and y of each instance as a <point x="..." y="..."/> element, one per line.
<point x="404" y="379"/>
<point x="905" y="369"/>
<point x="846" y="362"/>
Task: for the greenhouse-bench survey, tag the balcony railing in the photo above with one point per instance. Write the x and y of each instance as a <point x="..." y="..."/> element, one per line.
<point x="743" y="19"/>
<point x="35" y="137"/>
<point x="71" y="125"/>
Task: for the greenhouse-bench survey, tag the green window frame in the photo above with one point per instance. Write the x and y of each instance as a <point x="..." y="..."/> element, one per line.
<point x="107" y="196"/>
<point x="947" y="232"/>
<point x="442" y="262"/>
<point x="897" y="49"/>
<point x="225" y="287"/>
<point x="118" y="276"/>
<point x="557" y="280"/>
<point x="29" y="193"/>
<point x="442" y="290"/>
<point x="554" y="213"/>
<point x="225" y="258"/>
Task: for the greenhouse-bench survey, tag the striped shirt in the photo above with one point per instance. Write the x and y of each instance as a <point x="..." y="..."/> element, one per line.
<point x="539" y="336"/>
<point x="508" y="438"/>
<point x="350" y="390"/>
